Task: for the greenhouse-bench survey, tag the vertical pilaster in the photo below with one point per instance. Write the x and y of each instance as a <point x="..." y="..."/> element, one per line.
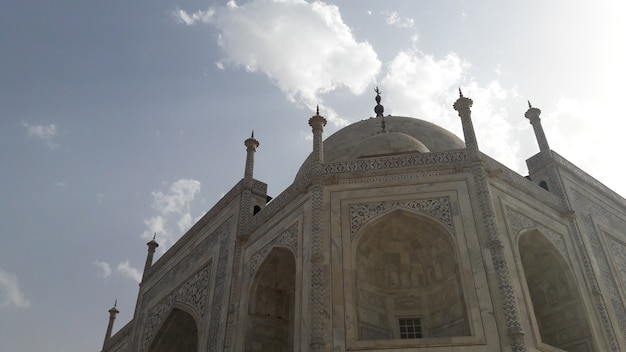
<point x="318" y="261"/>
<point x="494" y="242"/>
<point x="245" y="213"/>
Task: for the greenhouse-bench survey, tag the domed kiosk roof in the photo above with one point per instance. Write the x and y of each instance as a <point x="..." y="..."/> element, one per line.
<point x="366" y="138"/>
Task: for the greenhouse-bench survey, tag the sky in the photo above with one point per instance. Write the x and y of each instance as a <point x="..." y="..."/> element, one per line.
<point x="120" y="119"/>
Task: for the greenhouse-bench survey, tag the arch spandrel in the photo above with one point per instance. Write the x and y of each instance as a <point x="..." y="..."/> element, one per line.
<point x="437" y="209"/>
<point x="178" y="332"/>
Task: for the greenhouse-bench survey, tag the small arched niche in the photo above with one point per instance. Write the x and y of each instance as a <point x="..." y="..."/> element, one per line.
<point x="270" y="322"/>
<point x="179" y="333"/>
<point x="558" y="307"/>
<point x="407" y="280"/>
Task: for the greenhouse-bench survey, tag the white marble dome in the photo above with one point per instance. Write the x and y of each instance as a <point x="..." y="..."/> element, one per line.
<point x="366" y="139"/>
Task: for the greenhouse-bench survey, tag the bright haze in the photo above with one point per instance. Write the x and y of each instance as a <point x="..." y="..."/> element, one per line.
<point x="121" y="119"/>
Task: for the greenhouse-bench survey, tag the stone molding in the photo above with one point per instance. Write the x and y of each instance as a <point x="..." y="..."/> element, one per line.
<point x="288" y="238"/>
<point x="540" y="160"/>
<point x="438" y="208"/>
<point x="220" y="287"/>
<point x="121" y="339"/>
<point x="521" y="183"/>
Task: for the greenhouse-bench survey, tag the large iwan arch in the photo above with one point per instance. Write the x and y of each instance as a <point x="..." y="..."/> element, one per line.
<point x="270" y="320"/>
<point x="407" y="280"/>
<point x="558" y="307"/>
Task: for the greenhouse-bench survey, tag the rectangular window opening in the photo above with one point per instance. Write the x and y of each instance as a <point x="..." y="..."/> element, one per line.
<point x="410" y="328"/>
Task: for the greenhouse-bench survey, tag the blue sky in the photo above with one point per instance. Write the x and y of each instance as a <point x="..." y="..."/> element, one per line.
<point x="120" y="119"/>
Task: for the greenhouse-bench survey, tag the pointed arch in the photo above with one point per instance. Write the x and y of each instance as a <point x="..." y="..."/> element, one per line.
<point x="557" y="304"/>
<point x="407" y="279"/>
<point x="178" y="333"/>
<point x="271" y="304"/>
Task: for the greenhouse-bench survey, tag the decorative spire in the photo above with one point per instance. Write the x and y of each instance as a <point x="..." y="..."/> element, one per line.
<point x="463" y="106"/>
<point x="112" y="315"/>
<point x="379" y="109"/>
<point x="317" y="123"/>
<point x="251" y="145"/>
<point x="152" y="245"/>
<point x="532" y="114"/>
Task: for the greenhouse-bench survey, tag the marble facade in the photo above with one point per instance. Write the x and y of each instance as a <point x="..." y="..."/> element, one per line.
<point x="429" y="246"/>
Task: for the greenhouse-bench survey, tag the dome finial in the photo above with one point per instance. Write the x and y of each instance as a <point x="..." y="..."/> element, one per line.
<point x="529" y="106"/>
<point x="317" y="110"/>
<point x="460" y="93"/>
<point x="379" y="109"/>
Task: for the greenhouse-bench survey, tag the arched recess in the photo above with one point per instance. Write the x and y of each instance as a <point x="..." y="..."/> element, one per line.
<point x="271" y="308"/>
<point x="558" y="307"/>
<point x="407" y="280"/>
<point x="179" y="333"/>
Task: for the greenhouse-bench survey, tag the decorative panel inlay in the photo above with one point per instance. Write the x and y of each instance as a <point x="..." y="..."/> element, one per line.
<point x="288" y="238"/>
<point x="392" y="162"/>
<point x="193" y="293"/>
<point x="618" y="251"/>
<point x="438" y="208"/>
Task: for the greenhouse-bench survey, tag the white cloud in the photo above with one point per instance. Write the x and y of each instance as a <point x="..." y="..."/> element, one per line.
<point x="190" y="19"/>
<point x="104" y="266"/>
<point x="10" y="289"/>
<point x="394" y="19"/>
<point x="173" y="207"/>
<point x="45" y="133"/>
<point x="177" y="199"/>
<point x="304" y="48"/>
<point x="184" y="223"/>
<point x="127" y="270"/>
<point x="579" y="129"/>
<point x="420" y="85"/>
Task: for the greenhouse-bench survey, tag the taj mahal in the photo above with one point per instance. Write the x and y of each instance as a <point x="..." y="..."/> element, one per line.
<point x="395" y="235"/>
